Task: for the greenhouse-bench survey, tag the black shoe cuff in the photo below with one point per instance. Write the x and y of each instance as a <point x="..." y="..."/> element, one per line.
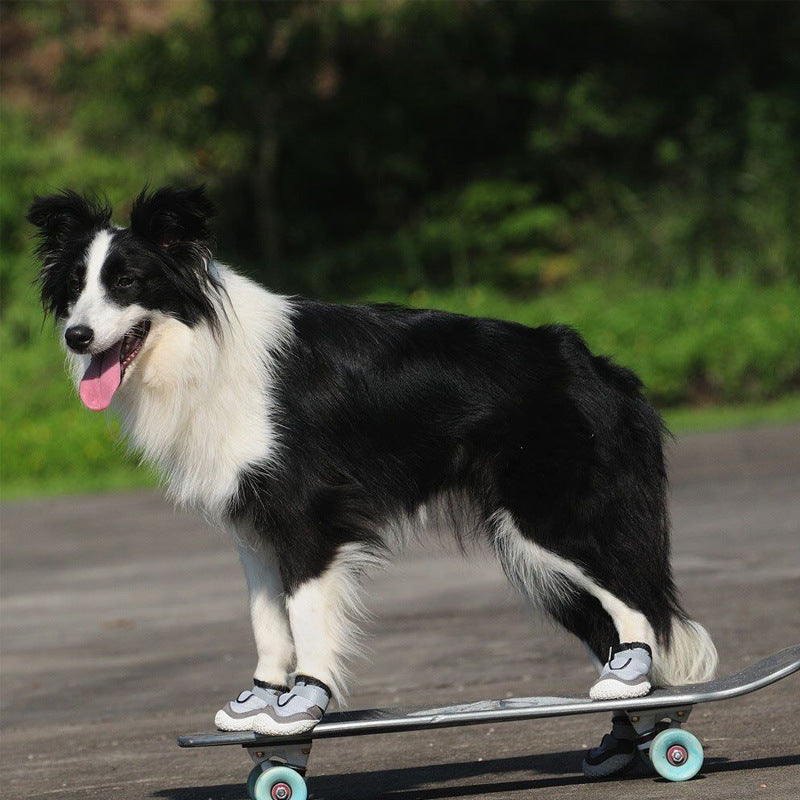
<point x="618" y="648"/>
<point x="309" y="681"/>
<point x="274" y="686"/>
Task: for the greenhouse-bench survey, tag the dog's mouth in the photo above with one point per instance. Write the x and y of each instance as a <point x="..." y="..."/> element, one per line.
<point x="132" y="343"/>
<point x="106" y="370"/>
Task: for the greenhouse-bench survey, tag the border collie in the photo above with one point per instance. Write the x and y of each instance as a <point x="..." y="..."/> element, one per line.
<point x="323" y="436"/>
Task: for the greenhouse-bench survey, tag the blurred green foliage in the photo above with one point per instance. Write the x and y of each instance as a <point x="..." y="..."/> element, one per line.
<point x="359" y="145"/>
<point x="630" y="168"/>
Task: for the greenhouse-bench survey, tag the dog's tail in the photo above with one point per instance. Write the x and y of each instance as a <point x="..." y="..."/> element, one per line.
<point x="690" y="656"/>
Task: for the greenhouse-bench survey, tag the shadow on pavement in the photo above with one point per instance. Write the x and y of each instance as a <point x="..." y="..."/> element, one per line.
<point x="713" y="765"/>
<point x="560" y="769"/>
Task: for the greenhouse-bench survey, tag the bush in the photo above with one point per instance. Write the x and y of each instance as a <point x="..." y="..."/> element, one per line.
<point x="357" y="146"/>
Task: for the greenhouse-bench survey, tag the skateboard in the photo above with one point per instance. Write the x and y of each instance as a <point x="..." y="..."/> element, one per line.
<point x="675" y="753"/>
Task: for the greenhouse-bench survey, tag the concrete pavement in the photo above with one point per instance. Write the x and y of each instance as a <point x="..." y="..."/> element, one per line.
<point x="124" y="623"/>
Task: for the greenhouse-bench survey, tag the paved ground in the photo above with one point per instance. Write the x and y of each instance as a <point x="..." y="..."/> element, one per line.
<point x="124" y="624"/>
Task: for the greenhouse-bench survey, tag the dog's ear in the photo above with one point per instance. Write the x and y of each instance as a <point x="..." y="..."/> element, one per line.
<point x="171" y="216"/>
<point x="176" y="222"/>
<point x="64" y="221"/>
<point x="63" y="216"/>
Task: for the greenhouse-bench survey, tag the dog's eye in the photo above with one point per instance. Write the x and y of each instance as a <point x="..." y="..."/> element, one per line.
<point x="75" y="284"/>
<point x="124" y="282"/>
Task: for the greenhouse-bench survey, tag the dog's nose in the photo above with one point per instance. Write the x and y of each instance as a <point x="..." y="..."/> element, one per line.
<point x="79" y="337"/>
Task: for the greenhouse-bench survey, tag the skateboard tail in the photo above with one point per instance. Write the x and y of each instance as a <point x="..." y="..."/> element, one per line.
<point x="691" y="656"/>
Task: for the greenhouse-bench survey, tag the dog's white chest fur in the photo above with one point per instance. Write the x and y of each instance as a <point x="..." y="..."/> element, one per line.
<point x="200" y="407"/>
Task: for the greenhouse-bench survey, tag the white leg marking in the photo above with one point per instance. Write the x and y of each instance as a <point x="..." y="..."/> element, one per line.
<point x="542" y="575"/>
<point x="631" y="625"/>
<point x="324" y="613"/>
<point x="267" y="610"/>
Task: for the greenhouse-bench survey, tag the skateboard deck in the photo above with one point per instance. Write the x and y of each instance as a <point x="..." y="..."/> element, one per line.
<point x="645" y="713"/>
<point x="396" y="720"/>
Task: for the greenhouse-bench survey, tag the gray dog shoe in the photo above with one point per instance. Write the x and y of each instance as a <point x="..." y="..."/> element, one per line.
<point x="241" y="713"/>
<point x="295" y="711"/>
<point x="627" y="673"/>
<point x="615" y="754"/>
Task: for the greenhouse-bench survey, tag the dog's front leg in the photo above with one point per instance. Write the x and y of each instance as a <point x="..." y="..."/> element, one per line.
<point x="271" y="631"/>
<point x="267" y="612"/>
<point x="321" y="608"/>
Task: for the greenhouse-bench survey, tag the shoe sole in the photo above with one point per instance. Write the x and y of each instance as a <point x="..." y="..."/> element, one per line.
<point x="266" y="726"/>
<point x="261" y="724"/>
<point x="610" y="689"/>
<point x="226" y="723"/>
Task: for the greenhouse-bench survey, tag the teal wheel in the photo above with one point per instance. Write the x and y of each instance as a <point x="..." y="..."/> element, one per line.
<point x="254" y="775"/>
<point x="280" y="783"/>
<point x="677" y="755"/>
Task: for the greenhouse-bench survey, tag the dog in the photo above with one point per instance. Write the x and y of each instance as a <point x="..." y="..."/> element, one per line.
<point x="323" y="436"/>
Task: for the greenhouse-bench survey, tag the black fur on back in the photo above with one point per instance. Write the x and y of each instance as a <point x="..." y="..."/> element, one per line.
<point x="382" y="409"/>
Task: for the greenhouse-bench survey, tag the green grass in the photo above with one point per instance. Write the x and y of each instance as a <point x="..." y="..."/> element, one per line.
<point x="121" y="478"/>
<point x="743" y="415"/>
<point x="733" y="342"/>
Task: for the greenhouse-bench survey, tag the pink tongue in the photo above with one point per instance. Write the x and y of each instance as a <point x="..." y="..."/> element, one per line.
<point x="102" y="378"/>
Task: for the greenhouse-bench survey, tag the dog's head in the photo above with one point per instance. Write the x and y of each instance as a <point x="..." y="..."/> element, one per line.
<point x="111" y="288"/>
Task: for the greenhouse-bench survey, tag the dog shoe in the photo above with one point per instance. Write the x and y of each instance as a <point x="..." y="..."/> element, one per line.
<point x="627" y="673"/>
<point x="611" y="757"/>
<point x="295" y="711"/>
<point x="615" y="754"/>
<point x="240" y="714"/>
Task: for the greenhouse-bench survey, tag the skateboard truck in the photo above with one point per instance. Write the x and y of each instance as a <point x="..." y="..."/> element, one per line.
<point x="289" y="755"/>
<point x="648" y="724"/>
<point x="676" y="754"/>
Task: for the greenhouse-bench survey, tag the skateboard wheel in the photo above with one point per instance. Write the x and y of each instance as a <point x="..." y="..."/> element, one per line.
<point x="677" y="755"/>
<point x="254" y="775"/>
<point x="279" y="783"/>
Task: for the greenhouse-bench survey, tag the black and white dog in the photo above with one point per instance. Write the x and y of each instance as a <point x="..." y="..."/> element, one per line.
<point x="323" y="436"/>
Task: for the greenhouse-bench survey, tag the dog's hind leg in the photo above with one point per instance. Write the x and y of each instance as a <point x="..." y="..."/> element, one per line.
<point x="574" y="598"/>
